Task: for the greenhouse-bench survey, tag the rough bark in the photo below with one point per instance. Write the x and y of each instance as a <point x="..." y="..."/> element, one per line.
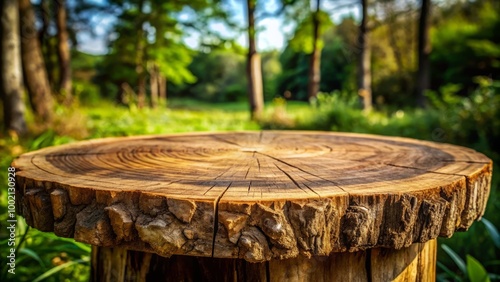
<point x="63" y="53"/>
<point x="11" y="82"/>
<point x="314" y="77"/>
<point x="254" y="71"/>
<point x="424" y="50"/>
<point x="35" y="74"/>
<point x="364" y="67"/>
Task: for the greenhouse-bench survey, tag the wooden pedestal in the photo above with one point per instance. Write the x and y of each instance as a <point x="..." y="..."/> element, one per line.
<point x="415" y="263"/>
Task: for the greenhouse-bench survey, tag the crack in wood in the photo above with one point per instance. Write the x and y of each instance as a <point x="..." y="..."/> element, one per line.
<point x="305" y="171"/>
<point x="295" y="182"/>
<point x="216" y="217"/>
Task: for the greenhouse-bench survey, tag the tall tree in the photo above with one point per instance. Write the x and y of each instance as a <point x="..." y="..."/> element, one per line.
<point x="140" y="54"/>
<point x="63" y="52"/>
<point x="148" y="34"/>
<point x="10" y="60"/>
<point x="254" y="71"/>
<point x="424" y="49"/>
<point x="364" y="68"/>
<point x="315" y="60"/>
<point x="35" y="74"/>
<point x="44" y="37"/>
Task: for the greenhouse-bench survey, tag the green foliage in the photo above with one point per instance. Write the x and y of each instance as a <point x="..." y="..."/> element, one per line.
<point x="302" y="40"/>
<point x="221" y="77"/>
<point x="470" y="270"/>
<point x="337" y="69"/>
<point x="473" y="120"/>
<point x="467" y="45"/>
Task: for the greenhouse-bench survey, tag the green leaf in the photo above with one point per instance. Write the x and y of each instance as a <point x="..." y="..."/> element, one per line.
<point x="32" y="254"/>
<point x="476" y="271"/>
<point x="448" y="272"/>
<point x="495" y="236"/>
<point x="58" y="268"/>
<point x="457" y="259"/>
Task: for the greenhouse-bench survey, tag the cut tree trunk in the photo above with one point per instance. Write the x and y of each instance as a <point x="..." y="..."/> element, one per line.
<point x="424" y="50"/>
<point x="35" y="74"/>
<point x="315" y="60"/>
<point x="309" y="201"/>
<point x="162" y="89"/>
<point x="154" y="85"/>
<point x="139" y="59"/>
<point x="11" y="83"/>
<point x="45" y="42"/>
<point x="63" y="53"/>
<point x="364" y="68"/>
<point x="414" y="263"/>
<point x="254" y="70"/>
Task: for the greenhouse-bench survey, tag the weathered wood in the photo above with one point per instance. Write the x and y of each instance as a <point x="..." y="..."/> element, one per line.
<point x="414" y="263"/>
<point x="253" y="195"/>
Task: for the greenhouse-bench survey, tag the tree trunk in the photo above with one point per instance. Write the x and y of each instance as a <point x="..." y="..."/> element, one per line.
<point x="162" y="89"/>
<point x="364" y="69"/>
<point x="315" y="60"/>
<point x="424" y="49"/>
<point x="10" y="61"/>
<point x="63" y="53"/>
<point x="35" y="74"/>
<point x="139" y="62"/>
<point x="414" y="263"/>
<point x="154" y="85"/>
<point x="254" y="71"/>
<point x="45" y="43"/>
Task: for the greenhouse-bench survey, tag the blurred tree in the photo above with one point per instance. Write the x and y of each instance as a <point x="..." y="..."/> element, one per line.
<point x="35" y="74"/>
<point x="364" y="68"/>
<point x="63" y="53"/>
<point x="254" y="71"/>
<point x="44" y="37"/>
<point x="148" y="37"/>
<point x="315" y="59"/>
<point x="336" y="50"/>
<point x="11" y="78"/>
<point x="424" y="49"/>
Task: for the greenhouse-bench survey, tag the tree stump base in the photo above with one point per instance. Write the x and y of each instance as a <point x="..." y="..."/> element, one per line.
<point x="414" y="263"/>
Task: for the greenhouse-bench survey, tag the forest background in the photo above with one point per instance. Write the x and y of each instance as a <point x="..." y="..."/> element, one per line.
<point x="81" y="69"/>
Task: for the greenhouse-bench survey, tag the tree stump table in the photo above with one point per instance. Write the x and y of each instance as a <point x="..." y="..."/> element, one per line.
<point x="255" y="206"/>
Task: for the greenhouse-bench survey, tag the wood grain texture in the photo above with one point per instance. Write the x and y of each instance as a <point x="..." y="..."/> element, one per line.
<point x="414" y="263"/>
<point x="253" y="195"/>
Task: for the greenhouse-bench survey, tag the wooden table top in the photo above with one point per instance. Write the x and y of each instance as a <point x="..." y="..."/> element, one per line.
<point x="253" y="195"/>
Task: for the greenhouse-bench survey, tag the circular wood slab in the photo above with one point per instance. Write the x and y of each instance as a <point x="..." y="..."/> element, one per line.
<point x="253" y="195"/>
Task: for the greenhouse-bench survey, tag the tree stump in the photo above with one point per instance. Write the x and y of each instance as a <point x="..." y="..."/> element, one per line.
<point x="255" y="206"/>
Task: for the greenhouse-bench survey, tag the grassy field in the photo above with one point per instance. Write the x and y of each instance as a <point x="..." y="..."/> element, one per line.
<point x="44" y="256"/>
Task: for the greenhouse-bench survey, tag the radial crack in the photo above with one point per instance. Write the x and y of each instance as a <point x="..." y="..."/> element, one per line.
<point x="305" y="171"/>
<point x="294" y="181"/>
<point x="216" y="217"/>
